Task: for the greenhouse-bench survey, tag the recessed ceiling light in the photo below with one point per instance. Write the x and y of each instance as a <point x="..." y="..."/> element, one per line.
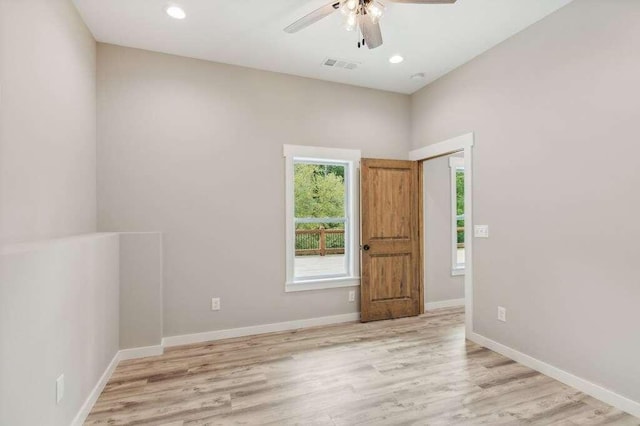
<point x="418" y="76"/>
<point x="176" y="12"/>
<point x="396" y="59"/>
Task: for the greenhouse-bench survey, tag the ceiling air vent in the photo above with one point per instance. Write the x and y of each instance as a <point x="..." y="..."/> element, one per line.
<point x="340" y="63"/>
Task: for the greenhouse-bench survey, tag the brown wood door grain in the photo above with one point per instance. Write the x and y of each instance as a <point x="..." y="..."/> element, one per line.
<point x="390" y="282"/>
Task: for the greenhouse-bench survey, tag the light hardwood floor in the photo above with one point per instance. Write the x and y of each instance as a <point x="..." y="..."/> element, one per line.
<point x="407" y="371"/>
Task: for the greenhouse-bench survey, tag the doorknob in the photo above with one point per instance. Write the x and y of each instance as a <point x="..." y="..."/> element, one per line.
<point x="366" y="247"/>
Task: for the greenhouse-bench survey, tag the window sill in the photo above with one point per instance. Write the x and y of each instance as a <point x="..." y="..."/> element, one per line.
<point x="321" y="284"/>
<point x="457" y="272"/>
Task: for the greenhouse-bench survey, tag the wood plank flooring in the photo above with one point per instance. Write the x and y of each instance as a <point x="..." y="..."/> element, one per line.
<point x="408" y="371"/>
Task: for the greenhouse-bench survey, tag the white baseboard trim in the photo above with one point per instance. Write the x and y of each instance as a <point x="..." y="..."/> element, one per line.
<point x="141" y="352"/>
<point x="452" y="303"/>
<point x="147" y="351"/>
<point x="187" y="339"/>
<point x="590" y="388"/>
<point x="95" y="392"/>
<point x="121" y="355"/>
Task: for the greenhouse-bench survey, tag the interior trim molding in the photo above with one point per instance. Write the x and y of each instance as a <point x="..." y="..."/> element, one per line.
<point x="451" y="303"/>
<point x="141" y="352"/>
<point x="590" y="388"/>
<point x="84" y="411"/>
<point x="450" y="146"/>
<point x="324" y="284"/>
<point x="187" y="339"/>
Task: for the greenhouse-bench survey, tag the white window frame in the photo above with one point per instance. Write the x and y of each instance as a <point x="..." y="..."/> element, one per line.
<point x="455" y="164"/>
<point x="351" y="158"/>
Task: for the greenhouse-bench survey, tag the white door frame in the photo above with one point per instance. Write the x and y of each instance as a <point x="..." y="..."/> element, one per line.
<point x="463" y="143"/>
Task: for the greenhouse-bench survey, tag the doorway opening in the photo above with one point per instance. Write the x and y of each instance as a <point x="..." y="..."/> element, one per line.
<point x="443" y="238"/>
<point x="463" y="147"/>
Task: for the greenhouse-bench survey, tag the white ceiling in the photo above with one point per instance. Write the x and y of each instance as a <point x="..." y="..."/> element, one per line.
<point x="434" y="39"/>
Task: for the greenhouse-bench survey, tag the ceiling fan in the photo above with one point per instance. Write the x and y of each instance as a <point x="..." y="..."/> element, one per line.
<point x="362" y="16"/>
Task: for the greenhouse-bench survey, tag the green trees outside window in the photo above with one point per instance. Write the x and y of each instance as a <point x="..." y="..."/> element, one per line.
<point x="460" y="204"/>
<point x="320" y="192"/>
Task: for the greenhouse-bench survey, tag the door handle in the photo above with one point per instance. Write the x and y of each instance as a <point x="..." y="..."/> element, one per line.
<point x="366" y="247"/>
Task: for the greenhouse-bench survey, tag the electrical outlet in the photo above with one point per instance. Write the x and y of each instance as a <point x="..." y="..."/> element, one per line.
<point x="481" y="231"/>
<point x="59" y="388"/>
<point x="352" y="296"/>
<point x="215" y="304"/>
<point x="502" y="314"/>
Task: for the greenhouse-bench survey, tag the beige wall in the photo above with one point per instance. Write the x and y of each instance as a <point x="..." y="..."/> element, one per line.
<point x="59" y="310"/>
<point x="66" y="307"/>
<point x="58" y="315"/>
<point x="47" y="121"/>
<point x="194" y="149"/>
<point x="555" y="113"/>
<point x="439" y="285"/>
<point x="140" y="289"/>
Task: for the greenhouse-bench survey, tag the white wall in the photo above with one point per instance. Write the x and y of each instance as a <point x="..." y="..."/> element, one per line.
<point x="47" y="121"/>
<point x="439" y="285"/>
<point x="555" y="115"/>
<point x="194" y="149"/>
<point x="58" y="315"/>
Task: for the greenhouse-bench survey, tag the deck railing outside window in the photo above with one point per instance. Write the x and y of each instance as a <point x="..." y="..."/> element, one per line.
<point x="460" y="230"/>
<point x="319" y="242"/>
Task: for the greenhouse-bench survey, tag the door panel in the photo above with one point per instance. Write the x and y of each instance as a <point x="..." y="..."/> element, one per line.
<point x="390" y="285"/>
<point x="387" y="271"/>
<point x="391" y="193"/>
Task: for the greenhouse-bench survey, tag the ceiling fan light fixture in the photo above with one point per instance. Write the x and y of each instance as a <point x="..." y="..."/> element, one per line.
<point x="396" y="59"/>
<point x="349" y="6"/>
<point x="361" y="15"/>
<point x="176" y="12"/>
<point x="376" y="10"/>
<point x="351" y="22"/>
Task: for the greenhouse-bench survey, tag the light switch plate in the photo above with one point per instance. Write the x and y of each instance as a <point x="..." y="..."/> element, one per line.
<point x="502" y="314"/>
<point x="59" y="388"/>
<point x="481" y="231"/>
<point x="215" y="304"/>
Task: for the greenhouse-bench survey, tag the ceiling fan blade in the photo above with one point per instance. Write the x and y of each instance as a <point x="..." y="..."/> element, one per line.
<point x="424" y="1"/>
<point x="313" y="17"/>
<point x="371" y="32"/>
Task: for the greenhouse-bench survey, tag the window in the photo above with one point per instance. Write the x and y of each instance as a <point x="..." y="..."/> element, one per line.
<point x="456" y="165"/>
<point x="321" y="194"/>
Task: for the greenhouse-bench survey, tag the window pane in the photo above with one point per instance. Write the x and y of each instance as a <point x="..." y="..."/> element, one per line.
<point x="319" y="190"/>
<point x="460" y="216"/>
<point x="321" y="220"/>
<point x="320" y="251"/>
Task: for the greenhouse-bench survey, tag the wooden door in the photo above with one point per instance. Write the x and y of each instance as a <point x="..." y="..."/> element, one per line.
<point x="391" y="285"/>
